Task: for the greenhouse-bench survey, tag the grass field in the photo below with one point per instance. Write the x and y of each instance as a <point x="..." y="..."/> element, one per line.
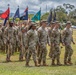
<point x="18" y="68"/>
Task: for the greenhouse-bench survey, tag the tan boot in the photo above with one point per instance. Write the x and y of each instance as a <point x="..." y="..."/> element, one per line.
<point x="27" y="64"/>
<point x="39" y="62"/>
<point x="58" y="63"/>
<point x="36" y="63"/>
<point x="53" y="63"/>
<point x="44" y="63"/>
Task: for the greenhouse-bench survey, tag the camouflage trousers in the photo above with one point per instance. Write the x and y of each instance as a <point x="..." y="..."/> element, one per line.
<point x="56" y="53"/>
<point x="43" y="52"/>
<point x="22" y="53"/>
<point x="51" y="50"/>
<point x="31" y="52"/>
<point x="9" y="51"/>
<point x="68" y="53"/>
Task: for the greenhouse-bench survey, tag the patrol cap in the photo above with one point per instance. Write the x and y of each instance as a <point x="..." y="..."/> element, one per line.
<point x="44" y="21"/>
<point x="33" y="24"/>
<point x="68" y="22"/>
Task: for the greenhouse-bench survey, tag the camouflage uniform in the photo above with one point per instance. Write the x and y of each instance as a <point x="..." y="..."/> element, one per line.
<point x="67" y="39"/>
<point x="31" y="44"/>
<point x="51" y="41"/>
<point x="22" y="43"/>
<point x="43" y="40"/>
<point x="56" y="45"/>
<point x="10" y="41"/>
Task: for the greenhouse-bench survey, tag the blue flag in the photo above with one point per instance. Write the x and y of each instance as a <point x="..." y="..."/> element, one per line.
<point x="24" y="15"/>
<point x="17" y="14"/>
<point x="49" y="17"/>
<point x="37" y="16"/>
<point x="54" y="17"/>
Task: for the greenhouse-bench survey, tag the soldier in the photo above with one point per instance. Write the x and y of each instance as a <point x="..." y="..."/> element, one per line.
<point x="31" y="44"/>
<point x="22" y="42"/>
<point x="56" y="44"/>
<point x="43" y="40"/>
<point x="52" y="25"/>
<point x="10" y="40"/>
<point x="67" y="39"/>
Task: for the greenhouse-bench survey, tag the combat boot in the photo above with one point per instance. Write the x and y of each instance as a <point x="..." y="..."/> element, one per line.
<point x="27" y="64"/>
<point x="8" y="60"/>
<point x="58" y="63"/>
<point x="44" y="63"/>
<point x="36" y="64"/>
<point x="53" y="63"/>
<point x="39" y="62"/>
<point x="69" y="62"/>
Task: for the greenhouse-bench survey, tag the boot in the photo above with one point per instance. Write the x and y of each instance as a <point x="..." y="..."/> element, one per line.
<point x="53" y="62"/>
<point x="27" y="64"/>
<point x="44" y="63"/>
<point x="69" y="62"/>
<point x="39" y="62"/>
<point x="36" y="63"/>
<point x="8" y="59"/>
<point x="58" y="63"/>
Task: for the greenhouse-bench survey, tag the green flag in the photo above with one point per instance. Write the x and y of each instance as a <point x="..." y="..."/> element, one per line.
<point x="37" y="16"/>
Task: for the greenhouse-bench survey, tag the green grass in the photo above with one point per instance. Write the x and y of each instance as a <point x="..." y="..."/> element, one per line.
<point x="18" y="68"/>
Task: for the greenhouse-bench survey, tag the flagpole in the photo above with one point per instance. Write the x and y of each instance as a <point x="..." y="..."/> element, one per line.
<point x="40" y="17"/>
<point x="8" y="12"/>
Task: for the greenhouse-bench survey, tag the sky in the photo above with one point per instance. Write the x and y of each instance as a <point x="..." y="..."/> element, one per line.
<point x="34" y="5"/>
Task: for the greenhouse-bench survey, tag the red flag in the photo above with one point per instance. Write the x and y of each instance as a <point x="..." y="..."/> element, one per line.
<point x="5" y="14"/>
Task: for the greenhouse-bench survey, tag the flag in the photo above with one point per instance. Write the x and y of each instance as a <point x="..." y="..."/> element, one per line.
<point x="5" y="20"/>
<point x="54" y="17"/>
<point x="17" y="14"/>
<point x="5" y="14"/>
<point x="37" y="16"/>
<point x="24" y="15"/>
<point x="49" y="17"/>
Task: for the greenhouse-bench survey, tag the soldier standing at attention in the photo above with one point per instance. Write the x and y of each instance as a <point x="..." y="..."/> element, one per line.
<point x="52" y="25"/>
<point x="67" y="39"/>
<point x="10" y="40"/>
<point x="31" y="44"/>
<point x="43" y="40"/>
<point x="56" y="44"/>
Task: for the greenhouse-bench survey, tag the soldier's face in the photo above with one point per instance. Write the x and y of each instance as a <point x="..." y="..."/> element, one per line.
<point x="68" y="25"/>
<point x="34" y="27"/>
<point x="44" y="24"/>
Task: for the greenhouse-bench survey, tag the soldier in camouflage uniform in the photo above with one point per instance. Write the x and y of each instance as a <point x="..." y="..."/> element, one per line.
<point x="10" y="40"/>
<point x="67" y="39"/>
<point x="56" y="44"/>
<point x="22" y="42"/>
<point x="52" y="25"/>
<point x="31" y="44"/>
<point x="43" y="40"/>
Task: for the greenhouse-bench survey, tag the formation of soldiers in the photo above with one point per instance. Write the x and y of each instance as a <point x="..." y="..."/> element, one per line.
<point x="31" y="39"/>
